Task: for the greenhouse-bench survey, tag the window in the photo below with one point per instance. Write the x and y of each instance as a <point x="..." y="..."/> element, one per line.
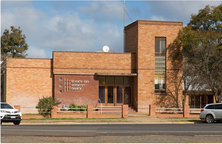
<point x="119" y="80"/>
<point x="101" y="94"/>
<point x="198" y="101"/>
<point x="210" y="107"/>
<point x="60" y="85"/>
<point x="110" y="80"/>
<point x="6" y="106"/>
<point x="160" y="46"/>
<point x="102" y="80"/>
<point x="60" y="78"/>
<point x="218" y="106"/>
<point x="119" y="94"/>
<point x="128" y="80"/>
<point x="160" y="83"/>
<point x="60" y="91"/>
<point x="160" y="64"/>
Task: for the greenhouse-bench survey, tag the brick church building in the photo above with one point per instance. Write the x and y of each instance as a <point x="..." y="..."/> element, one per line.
<point x="144" y="74"/>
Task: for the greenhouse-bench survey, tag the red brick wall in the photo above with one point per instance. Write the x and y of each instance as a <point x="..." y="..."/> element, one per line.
<point x="93" y="62"/>
<point x="131" y="38"/>
<point x="88" y="95"/>
<point x="32" y="116"/>
<point x="28" y="80"/>
<point x="144" y="45"/>
<point x="131" y="45"/>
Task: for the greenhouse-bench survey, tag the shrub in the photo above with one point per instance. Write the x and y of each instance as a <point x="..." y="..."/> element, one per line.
<point x="82" y="108"/>
<point x="45" y="105"/>
<point x="72" y="106"/>
<point x="78" y="108"/>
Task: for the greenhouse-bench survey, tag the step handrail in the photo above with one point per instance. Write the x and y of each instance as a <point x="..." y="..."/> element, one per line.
<point x="101" y="105"/>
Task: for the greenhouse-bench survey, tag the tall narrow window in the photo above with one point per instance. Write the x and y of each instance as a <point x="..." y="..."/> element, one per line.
<point x="101" y="94"/>
<point x="160" y="64"/>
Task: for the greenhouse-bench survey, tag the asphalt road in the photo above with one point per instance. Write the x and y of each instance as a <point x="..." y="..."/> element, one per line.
<point x="90" y="130"/>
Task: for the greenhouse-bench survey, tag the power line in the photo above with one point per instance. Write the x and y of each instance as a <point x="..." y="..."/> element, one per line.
<point x="124" y="15"/>
<point x="128" y="15"/>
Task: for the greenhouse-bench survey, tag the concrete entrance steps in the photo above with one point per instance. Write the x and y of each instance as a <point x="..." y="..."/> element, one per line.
<point x="131" y="110"/>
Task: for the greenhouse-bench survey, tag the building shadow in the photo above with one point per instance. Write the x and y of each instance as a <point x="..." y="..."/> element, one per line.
<point x="173" y="96"/>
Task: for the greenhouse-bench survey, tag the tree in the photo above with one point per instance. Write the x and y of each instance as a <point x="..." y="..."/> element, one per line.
<point x="208" y="19"/>
<point x="187" y="78"/>
<point x="45" y="106"/>
<point x="13" y="44"/>
<point x="202" y="49"/>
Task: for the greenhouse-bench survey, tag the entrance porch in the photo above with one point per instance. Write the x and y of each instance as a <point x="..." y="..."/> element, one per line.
<point x="116" y="90"/>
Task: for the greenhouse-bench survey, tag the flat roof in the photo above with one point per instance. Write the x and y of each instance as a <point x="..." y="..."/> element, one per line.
<point x="100" y="52"/>
<point x="153" y="22"/>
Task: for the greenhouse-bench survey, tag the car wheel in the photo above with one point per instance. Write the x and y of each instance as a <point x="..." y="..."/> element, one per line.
<point x="209" y="119"/>
<point x="16" y="123"/>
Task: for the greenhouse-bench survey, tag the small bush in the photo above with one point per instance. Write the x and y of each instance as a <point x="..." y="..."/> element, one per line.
<point x="45" y="105"/>
<point x="82" y="108"/>
<point x="72" y="106"/>
<point x="78" y="108"/>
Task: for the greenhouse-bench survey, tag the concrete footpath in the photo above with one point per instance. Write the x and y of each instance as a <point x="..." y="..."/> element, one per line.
<point x="132" y="119"/>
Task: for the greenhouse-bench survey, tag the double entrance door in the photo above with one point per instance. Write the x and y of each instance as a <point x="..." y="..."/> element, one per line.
<point x="112" y="95"/>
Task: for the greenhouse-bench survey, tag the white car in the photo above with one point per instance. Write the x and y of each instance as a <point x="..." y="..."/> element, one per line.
<point x="10" y="114"/>
<point x="212" y="112"/>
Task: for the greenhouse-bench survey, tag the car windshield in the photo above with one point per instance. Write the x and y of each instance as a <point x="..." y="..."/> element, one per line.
<point x="6" y="106"/>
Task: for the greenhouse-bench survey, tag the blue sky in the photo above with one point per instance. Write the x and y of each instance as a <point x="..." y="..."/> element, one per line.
<point x="86" y="25"/>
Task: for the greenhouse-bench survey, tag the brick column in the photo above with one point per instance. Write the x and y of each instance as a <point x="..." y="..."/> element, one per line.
<point x="124" y="110"/>
<point x="89" y="111"/>
<point x="54" y="112"/>
<point x="186" y="111"/>
<point x="187" y="100"/>
<point x="17" y="107"/>
<point x="152" y="110"/>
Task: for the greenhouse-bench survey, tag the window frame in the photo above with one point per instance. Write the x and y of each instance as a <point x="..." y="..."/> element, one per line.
<point x="160" y="46"/>
<point x="159" y="66"/>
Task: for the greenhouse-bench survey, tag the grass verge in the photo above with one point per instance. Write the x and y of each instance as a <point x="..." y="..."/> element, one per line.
<point x="71" y="118"/>
<point x="49" y="120"/>
<point x="179" y="118"/>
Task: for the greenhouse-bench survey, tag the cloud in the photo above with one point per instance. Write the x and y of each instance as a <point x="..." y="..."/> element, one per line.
<point x="88" y="26"/>
<point x="25" y="16"/>
<point x="104" y="10"/>
<point x="69" y="32"/>
<point x="177" y="10"/>
<point x="34" y="52"/>
<point x="159" y="18"/>
<point x="47" y="32"/>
